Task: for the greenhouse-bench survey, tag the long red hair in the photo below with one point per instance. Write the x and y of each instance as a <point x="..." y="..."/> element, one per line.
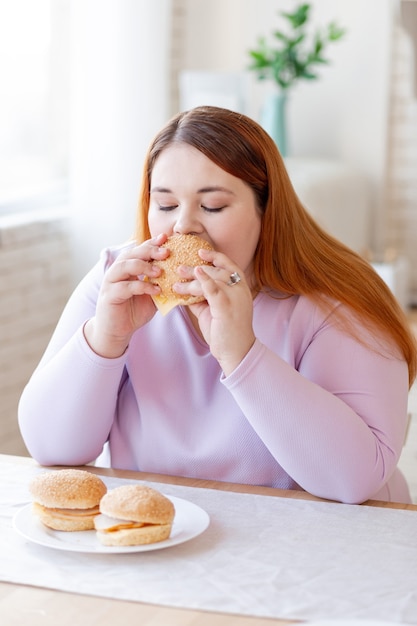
<point x="294" y="254"/>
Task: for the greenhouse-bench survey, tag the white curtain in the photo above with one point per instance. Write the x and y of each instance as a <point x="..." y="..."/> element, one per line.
<point x="119" y="98"/>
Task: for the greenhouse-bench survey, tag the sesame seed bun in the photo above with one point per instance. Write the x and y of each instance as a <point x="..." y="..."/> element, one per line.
<point x="183" y="251"/>
<point x="67" y="499"/>
<point x="134" y="515"/>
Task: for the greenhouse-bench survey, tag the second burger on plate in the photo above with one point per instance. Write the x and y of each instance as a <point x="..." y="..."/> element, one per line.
<point x="134" y="515"/>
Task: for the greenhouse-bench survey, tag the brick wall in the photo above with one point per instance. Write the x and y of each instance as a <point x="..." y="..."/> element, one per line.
<point x="179" y="10"/>
<point x="402" y="158"/>
<point x="34" y="286"/>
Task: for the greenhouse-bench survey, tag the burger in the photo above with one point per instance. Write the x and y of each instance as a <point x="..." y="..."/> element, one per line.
<point x="67" y="499"/>
<point x="133" y="515"/>
<point x="183" y="251"/>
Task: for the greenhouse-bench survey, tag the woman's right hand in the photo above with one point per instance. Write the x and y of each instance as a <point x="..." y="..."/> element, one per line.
<point x="124" y="303"/>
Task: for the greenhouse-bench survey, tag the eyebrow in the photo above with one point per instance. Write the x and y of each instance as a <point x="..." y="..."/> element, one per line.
<point x="202" y="190"/>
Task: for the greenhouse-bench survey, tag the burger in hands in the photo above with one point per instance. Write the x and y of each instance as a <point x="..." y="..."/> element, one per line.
<point x="183" y="251"/>
<point x="133" y="515"/>
<point x="67" y="499"/>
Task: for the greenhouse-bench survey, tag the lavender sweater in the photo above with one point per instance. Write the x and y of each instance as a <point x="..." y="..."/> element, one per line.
<point x="308" y="407"/>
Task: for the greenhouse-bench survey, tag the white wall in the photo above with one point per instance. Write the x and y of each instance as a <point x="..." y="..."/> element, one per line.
<point x="344" y="114"/>
<point x="120" y="98"/>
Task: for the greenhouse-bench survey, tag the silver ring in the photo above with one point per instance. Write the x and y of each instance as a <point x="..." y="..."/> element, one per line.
<point x="234" y="279"/>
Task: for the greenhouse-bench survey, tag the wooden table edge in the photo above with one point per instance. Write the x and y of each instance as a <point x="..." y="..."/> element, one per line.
<point x="207" y="484"/>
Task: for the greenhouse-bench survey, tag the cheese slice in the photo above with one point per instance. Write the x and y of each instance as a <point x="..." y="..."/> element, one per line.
<point x="163" y="305"/>
<point x="107" y="524"/>
<point x="68" y="513"/>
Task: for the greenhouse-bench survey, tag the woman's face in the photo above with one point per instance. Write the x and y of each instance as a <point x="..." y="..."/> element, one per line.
<point x="192" y="195"/>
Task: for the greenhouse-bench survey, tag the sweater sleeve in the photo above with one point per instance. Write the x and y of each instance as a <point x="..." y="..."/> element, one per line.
<point x="67" y="408"/>
<point x="335" y="423"/>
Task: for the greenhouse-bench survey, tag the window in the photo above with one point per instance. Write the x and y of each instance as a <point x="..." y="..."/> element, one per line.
<point x="34" y="94"/>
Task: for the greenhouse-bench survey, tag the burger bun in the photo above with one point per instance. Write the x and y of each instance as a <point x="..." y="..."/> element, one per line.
<point x="67" y="499"/>
<point x="183" y="251"/>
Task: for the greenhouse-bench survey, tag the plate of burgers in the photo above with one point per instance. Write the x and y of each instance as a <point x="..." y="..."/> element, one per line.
<point x="73" y="510"/>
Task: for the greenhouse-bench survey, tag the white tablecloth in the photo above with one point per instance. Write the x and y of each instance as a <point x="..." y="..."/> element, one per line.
<point x="260" y="556"/>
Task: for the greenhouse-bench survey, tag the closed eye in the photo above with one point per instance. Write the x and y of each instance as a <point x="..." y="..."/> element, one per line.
<point x="213" y="209"/>
<point x="167" y="208"/>
<point x="205" y="208"/>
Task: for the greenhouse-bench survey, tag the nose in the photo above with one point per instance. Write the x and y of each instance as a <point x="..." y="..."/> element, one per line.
<point x="187" y="222"/>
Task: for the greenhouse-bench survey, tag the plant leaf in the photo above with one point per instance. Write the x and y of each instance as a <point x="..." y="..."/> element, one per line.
<point x="292" y="57"/>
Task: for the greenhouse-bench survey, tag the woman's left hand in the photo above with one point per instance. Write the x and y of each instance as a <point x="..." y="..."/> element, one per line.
<point x="225" y="319"/>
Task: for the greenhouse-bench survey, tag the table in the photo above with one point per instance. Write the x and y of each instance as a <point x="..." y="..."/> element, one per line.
<point x="37" y="605"/>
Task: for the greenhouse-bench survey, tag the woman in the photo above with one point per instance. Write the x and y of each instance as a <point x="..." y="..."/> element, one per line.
<point x="295" y="377"/>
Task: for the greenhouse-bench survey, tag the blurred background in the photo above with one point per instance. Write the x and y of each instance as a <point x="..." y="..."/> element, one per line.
<point x="84" y="86"/>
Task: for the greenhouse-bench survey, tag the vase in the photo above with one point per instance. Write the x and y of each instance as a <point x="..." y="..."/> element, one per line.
<point x="273" y="119"/>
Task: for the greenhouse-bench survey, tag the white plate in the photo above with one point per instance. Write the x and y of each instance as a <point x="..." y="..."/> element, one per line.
<point x="189" y="522"/>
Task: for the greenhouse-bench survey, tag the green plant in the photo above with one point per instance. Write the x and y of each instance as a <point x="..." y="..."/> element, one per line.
<point x="294" y="56"/>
